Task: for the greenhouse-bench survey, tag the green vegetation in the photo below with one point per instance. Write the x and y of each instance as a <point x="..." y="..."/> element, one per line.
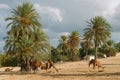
<point x="117" y="46"/>
<point x="108" y="48"/>
<point x="1" y="57"/>
<point x="55" y="55"/>
<point x="10" y="61"/>
<point x="69" y="46"/>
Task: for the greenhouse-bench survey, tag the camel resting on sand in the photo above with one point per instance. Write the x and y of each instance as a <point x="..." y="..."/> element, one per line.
<point x="8" y="69"/>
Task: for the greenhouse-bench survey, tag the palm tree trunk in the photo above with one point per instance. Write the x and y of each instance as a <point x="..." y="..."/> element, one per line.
<point x="25" y="64"/>
<point x="72" y="54"/>
<point x="95" y="52"/>
<point x="22" y="63"/>
<point x="86" y="54"/>
<point x="28" y="68"/>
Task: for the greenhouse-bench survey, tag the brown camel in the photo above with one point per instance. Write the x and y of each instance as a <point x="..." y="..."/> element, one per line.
<point x="95" y="63"/>
<point x="48" y="65"/>
<point x="43" y="66"/>
<point x="35" y="64"/>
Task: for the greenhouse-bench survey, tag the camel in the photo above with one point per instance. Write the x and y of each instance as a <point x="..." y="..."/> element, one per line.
<point x="8" y="69"/>
<point x="35" y="64"/>
<point x="48" y="65"/>
<point x="43" y="66"/>
<point x="95" y="63"/>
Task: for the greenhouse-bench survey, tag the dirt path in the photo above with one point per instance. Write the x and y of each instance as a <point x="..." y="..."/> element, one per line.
<point x="70" y="71"/>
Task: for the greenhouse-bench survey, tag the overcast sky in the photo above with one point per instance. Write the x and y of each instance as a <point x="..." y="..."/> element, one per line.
<point x="63" y="16"/>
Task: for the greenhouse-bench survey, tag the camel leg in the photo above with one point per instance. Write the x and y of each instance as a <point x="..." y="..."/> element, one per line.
<point x="94" y="66"/>
<point x="46" y="70"/>
<point x="55" y="68"/>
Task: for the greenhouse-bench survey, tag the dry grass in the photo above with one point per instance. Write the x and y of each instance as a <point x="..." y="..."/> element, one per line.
<point x="70" y="71"/>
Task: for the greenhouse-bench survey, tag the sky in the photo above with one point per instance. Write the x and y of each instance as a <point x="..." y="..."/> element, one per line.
<point x="59" y="17"/>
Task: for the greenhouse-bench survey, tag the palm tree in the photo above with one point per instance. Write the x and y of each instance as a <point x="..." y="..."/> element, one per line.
<point x="25" y="36"/>
<point x="74" y="42"/>
<point x="98" y="30"/>
<point x="111" y="49"/>
<point x="117" y="46"/>
<point x="25" y="17"/>
<point x="63" y="46"/>
<point x="86" y="44"/>
<point x="41" y="41"/>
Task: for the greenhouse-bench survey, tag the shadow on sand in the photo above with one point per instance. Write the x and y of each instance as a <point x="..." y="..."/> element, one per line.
<point x="85" y="74"/>
<point x="112" y="64"/>
<point x="57" y="75"/>
<point x="15" y="73"/>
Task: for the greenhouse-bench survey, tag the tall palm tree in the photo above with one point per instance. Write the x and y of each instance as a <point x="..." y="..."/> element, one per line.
<point x="98" y="30"/>
<point x="25" y="34"/>
<point x="74" y="42"/>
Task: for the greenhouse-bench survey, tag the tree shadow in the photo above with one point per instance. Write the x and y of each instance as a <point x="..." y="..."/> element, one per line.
<point x="111" y="64"/>
<point x="15" y="73"/>
<point x="58" y="75"/>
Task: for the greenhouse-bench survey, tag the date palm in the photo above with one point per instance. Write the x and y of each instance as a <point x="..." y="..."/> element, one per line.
<point x="111" y="49"/>
<point x="24" y="18"/>
<point x="63" y="44"/>
<point x="25" y="35"/>
<point x="98" y="31"/>
<point x="74" y="42"/>
<point x="86" y="44"/>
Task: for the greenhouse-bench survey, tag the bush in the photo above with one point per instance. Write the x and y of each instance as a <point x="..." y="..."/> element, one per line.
<point x="55" y="55"/>
<point x="117" y="46"/>
<point x="42" y="57"/>
<point x="82" y="52"/>
<point x="1" y="56"/>
<point x="10" y="61"/>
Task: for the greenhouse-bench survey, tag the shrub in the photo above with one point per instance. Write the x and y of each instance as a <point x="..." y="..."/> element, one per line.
<point x="1" y="56"/>
<point x="55" y="55"/>
<point x="10" y="61"/>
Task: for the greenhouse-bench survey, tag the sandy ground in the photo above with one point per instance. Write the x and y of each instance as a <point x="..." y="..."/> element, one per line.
<point x="69" y="71"/>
